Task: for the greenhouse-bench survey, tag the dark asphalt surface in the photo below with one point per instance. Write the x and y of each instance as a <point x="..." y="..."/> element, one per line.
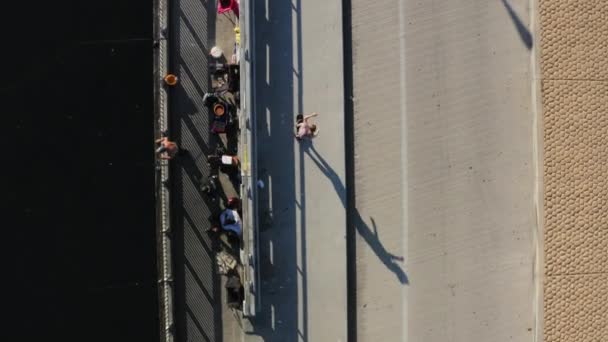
<point x="79" y="239"/>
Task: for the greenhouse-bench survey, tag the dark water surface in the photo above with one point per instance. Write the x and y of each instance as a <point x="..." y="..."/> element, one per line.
<point x="79" y="244"/>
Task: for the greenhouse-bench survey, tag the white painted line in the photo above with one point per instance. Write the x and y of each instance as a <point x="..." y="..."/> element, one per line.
<point x="267" y="64"/>
<point x="268" y="122"/>
<point x="271" y="252"/>
<point x="537" y="129"/>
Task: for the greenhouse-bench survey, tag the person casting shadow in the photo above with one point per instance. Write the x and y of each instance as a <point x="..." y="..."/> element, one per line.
<point x="371" y="237"/>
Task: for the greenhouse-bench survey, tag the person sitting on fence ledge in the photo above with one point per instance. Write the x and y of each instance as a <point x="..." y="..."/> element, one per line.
<point x="230" y="218"/>
<point x="168" y="149"/>
<point x="230" y="222"/>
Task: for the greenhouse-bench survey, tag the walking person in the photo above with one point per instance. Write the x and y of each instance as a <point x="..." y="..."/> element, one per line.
<point x="304" y="128"/>
<point x="168" y="149"/>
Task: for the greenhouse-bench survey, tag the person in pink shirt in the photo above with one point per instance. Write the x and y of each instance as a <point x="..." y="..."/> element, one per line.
<point x="305" y="128"/>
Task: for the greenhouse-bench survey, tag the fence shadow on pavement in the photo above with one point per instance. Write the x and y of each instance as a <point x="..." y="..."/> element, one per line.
<point x="198" y="293"/>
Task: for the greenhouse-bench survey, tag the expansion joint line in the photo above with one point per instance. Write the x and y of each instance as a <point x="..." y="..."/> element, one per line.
<point x="576" y="274"/>
<point x="575" y="79"/>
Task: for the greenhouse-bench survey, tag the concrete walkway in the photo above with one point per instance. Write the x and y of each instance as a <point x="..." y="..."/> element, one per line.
<point x="303" y="248"/>
<point x="445" y="171"/>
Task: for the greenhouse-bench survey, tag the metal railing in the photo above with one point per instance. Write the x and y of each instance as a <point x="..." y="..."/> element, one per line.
<point x="165" y="268"/>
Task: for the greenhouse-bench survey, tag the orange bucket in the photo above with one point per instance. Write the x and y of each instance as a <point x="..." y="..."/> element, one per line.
<point x="170" y="79"/>
<point x="218" y="109"/>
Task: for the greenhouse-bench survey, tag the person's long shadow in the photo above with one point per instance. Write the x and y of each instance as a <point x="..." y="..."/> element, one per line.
<point x="370" y="236"/>
<point x="523" y="31"/>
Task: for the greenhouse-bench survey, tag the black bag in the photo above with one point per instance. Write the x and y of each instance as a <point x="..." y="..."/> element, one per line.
<point x="234" y="292"/>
